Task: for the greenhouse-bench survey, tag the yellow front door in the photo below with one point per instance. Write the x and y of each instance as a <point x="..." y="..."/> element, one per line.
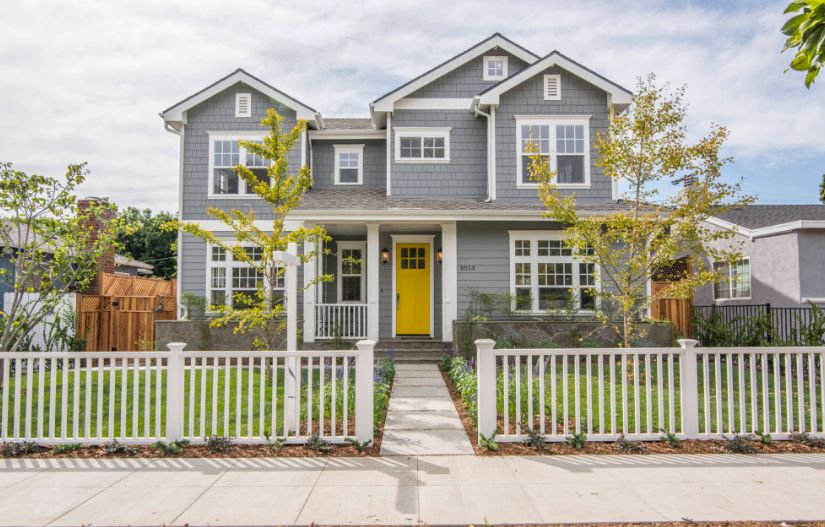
<point x="412" y="287"/>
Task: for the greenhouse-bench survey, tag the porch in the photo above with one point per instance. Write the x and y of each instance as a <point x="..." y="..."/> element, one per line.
<point x="388" y="281"/>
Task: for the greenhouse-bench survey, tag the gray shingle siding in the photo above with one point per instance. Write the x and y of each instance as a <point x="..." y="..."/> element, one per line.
<point x="466" y="173"/>
<point x="217" y="114"/>
<point x="577" y="98"/>
<point x="374" y="164"/>
<point x="467" y="80"/>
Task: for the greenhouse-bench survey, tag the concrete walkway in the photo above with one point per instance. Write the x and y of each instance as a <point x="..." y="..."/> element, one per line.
<point x="409" y="490"/>
<point x="422" y="419"/>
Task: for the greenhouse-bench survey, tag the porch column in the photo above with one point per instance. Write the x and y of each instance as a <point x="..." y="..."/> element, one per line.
<point x="310" y="269"/>
<point x="291" y="284"/>
<point x="373" y="269"/>
<point x="449" y="280"/>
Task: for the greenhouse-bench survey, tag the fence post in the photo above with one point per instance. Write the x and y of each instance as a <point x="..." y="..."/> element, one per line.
<point x="364" y="371"/>
<point x="174" y="391"/>
<point x="690" y="388"/>
<point x="486" y="387"/>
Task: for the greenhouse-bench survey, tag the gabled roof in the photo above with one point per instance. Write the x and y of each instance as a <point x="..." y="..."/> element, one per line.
<point x="620" y="96"/>
<point x="385" y="102"/>
<point x="174" y="115"/>
<point x="348" y="123"/>
<point x="755" y="221"/>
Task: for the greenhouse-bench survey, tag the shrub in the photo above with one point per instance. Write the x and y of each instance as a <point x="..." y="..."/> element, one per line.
<point x="317" y="444"/>
<point x="739" y="444"/>
<point x="65" y="448"/>
<point x="21" y="448"/>
<point x="764" y="438"/>
<point x="534" y="439"/>
<point x="273" y="445"/>
<point x="628" y="447"/>
<point x="116" y="448"/>
<point x="577" y="441"/>
<point x="463" y="375"/>
<point x="360" y="446"/>
<point x="488" y="443"/>
<point x="169" y="449"/>
<point x="671" y="439"/>
<point x="218" y="444"/>
<point x="804" y="438"/>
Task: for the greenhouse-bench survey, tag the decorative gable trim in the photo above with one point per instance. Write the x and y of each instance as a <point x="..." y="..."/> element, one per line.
<point x="243" y="105"/>
<point x="175" y="116"/>
<point x="552" y="87"/>
<point x="386" y="102"/>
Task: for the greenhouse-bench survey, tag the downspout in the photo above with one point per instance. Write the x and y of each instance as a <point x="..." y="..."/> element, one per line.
<point x="478" y="112"/>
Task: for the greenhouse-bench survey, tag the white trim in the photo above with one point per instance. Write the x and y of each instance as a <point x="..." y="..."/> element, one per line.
<point x="346" y="134"/>
<point x="413" y="238"/>
<point x="419" y="215"/>
<point x="434" y="103"/>
<point x="176" y="114"/>
<point x="304" y="149"/>
<point x="814" y="300"/>
<point x="730" y="281"/>
<point x="485" y="75"/>
<point x="770" y="230"/>
<point x="492" y="147"/>
<point x="551" y="122"/>
<point x="179" y="255"/>
<point x="264" y="225"/>
<point x="239" y="98"/>
<point x="349" y="149"/>
<point x="449" y="280"/>
<point x="552" y="77"/>
<point x="358" y="244"/>
<point x="386" y="103"/>
<point x="230" y="136"/>
<point x="310" y="291"/>
<point x="373" y="280"/>
<point x="389" y="153"/>
<point x="229" y="263"/>
<point x="619" y="95"/>
<point x="402" y="132"/>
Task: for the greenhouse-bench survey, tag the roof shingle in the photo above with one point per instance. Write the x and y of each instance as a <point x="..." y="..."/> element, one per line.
<point x="348" y="123"/>
<point x="758" y="216"/>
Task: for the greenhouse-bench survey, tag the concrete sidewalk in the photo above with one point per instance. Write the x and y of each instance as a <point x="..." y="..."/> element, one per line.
<point x="408" y="490"/>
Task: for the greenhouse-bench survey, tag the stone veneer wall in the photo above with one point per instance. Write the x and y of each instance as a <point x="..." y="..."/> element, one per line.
<point x="198" y="336"/>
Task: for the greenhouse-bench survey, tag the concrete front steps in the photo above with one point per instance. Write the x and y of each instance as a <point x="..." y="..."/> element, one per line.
<point x="413" y="349"/>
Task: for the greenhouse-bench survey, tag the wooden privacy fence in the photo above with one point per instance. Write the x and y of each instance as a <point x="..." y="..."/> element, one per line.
<point x="677" y="310"/>
<point x="94" y="397"/>
<point x="123" y="317"/>
<point x="698" y="393"/>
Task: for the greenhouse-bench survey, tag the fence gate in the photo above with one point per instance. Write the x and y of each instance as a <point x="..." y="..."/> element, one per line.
<point x="121" y="323"/>
<point x="677" y="310"/>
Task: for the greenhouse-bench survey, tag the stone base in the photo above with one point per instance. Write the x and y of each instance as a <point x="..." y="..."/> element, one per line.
<point x="199" y="336"/>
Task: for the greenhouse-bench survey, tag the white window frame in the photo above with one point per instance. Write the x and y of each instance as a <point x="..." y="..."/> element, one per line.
<point x="228" y="263"/>
<point x="248" y="112"/>
<point x="243" y="190"/>
<point x="552" y="122"/>
<point x="486" y="73"/>
<point x="534" y="260"/>
<point x="349" y="149"/>
<point x="362" y="245"/>
<point x="731" y="288"/>
<point x="546" y="78"/>
<point x="402" y="132"/>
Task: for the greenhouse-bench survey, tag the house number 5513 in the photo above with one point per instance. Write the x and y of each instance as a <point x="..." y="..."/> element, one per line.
<point x="466" y="267"/>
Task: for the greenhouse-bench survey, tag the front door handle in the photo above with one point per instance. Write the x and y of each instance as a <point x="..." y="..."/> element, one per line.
<point x="397" y="300"/>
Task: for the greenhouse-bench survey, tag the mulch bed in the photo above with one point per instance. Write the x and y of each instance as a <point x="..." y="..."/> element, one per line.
<point x="612" y="448"/>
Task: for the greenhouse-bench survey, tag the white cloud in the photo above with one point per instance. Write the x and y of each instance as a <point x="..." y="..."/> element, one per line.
<point x="85" y="80"/>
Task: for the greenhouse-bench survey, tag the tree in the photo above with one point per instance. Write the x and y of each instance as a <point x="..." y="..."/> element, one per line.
<point x="806" y="34"/>
<point x="47" y="245"/>
<point x="822" y="190"/>
<point x="149" y="242"/>
<point x="261" y="313"/>
<point x="643" y="148"/>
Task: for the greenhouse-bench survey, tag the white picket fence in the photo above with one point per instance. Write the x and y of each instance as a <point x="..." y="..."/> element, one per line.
<point x="641" y="393"/>
<point x="142" y="397"/>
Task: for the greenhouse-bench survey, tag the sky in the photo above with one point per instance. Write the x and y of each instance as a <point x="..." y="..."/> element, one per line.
<point x="85" y="80"/>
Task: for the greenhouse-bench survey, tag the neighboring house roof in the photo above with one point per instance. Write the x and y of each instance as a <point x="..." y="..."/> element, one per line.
<point x="125" y="261"/>
<point x="174" y="115"/>
<point x="762" y="220"/>
<point x="620" y="96"/>
<point x="348" y="123"/>
<point x="385" y="102"/>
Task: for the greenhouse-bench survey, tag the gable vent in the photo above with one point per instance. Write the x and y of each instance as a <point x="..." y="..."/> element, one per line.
<point x="552" y="87"/>
<point x="243" y="105"/>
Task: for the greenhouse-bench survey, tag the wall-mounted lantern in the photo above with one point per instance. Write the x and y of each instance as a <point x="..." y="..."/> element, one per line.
<point x="385" y="255"/>
<point x="439" y="255"/>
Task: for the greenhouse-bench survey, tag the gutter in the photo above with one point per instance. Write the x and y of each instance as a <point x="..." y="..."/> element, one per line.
<point x="478" y="112"/>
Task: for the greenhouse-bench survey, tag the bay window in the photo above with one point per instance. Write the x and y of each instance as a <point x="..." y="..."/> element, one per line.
<point x="563" y="142"/>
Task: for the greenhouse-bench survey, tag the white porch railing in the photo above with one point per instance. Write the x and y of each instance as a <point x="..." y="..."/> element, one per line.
<point x="345" y="321"/>
<point x="641" y="392"/>
<point x="141" y="397"/>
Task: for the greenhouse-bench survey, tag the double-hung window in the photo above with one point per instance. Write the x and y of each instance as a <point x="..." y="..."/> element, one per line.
<point x="422" y="145"/>
<point x="564" y="143"/>
<point x="225" y="154"/>
<point x="735" y="280"/>
<point x="547" y="276"/>
<point x="235" y="281"/>
<point x="351" y="280"/>
<point x="349" y="164"/>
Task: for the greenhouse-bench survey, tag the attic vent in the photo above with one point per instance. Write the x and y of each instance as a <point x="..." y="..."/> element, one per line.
<point x="552" y="87"/>
<point x="243" y="105"/>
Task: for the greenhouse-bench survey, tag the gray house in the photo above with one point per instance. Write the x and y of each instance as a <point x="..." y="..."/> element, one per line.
<point x="429" y="192"/>
<point x="783" y="248"/>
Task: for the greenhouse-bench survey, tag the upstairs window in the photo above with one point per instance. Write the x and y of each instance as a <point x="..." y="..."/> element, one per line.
<point x="564" y="143"/>
<point x="425" y="145"/>
<point x="226" y="154"/>
<point x="243" y="105"/>
<point x="495" y="68"/>
<point x="349" y="164"/>
<point x="735" y="282"/>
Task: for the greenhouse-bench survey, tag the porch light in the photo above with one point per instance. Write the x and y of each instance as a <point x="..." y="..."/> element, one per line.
<point x="439" y="255"/>
<point x="385" y="255"/>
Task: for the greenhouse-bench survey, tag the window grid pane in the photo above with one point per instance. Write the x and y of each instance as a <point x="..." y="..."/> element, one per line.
<point x="522" y="247"/>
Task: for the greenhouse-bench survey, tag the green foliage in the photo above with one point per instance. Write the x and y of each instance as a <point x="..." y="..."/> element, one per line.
<point x="21" y="448"/>
<point x="534" y="438"/>
<point x="360" y="446"/>
<point x="463" y="375"/>
<point x="65" y="448"/>
<point x="47" y="239"/>
<point x="194" y="306"/>
<point x="150" y="243"/>
<point x="803" y="438"/>
<point x="317" y="444"/>
<point x="644" y="148"/>
<point x="806" y="34"/>
<point x="628" y="447"/>
<point x="169" y="449"/>
<point x="488" y="443"/>
<point x="813" y="333"/>
<point x="739" y="444"/>
<point x="764" y="437"/>
<point x="577" y="441"/>
<point x="116" y="448"/>
<point x="218" y="444"/>
<point x="758" y="330"/>
<point x="382" y="383"/>
<point x="273" y="445"/>
<point x="822" y="190"/>
<point x="671" y="439"/>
